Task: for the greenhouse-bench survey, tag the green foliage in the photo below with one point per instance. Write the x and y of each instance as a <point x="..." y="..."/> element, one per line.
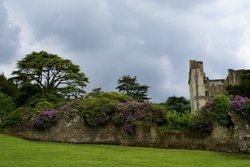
<point x="158" y="113"/>
<point x="6" y="106"/>
<point x="28" y="94"/>
<point x="97" y="110"/>
<point x="243" y="89"/>
<point x="7" y="86"/>
<point x="129" y="85"/>
<point x="43" y="105"/>
<point x="179" y="104"/>
<point x="220" y="110"/>
<point x="203" y="124"/>
<point x="95" y="92"/>
<point x="52" y="73"/>
<point x="180" y="121"/>
<point x="118" y="118"/>
<point x="114" y="96"/>
<point x="245" y="111"/>
<point x="12" y="119"/>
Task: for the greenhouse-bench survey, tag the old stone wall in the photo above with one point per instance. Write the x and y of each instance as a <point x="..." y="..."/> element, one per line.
<point x="70" y="128"/>
<point x="197" y="85"/>
<point x="202" y="89"/>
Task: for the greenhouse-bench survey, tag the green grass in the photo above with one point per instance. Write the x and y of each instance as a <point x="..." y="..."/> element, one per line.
<point x="19" y="152"/>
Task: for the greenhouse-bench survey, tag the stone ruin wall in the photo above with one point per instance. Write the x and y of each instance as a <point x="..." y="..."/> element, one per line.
<point x="202" y="89"/>
<point x="72" y="129"/>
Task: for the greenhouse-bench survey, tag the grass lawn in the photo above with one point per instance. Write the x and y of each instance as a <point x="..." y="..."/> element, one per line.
<point x="18" y="152"/>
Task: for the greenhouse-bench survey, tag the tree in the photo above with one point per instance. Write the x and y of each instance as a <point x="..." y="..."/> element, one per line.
<point x="95" y="92"/>
<point x="7" y="86"/>
<point x="178" y="104"/>
<point x="128" y="85"/>
<point x="52" y="73"/>
<point x="6" y="106"/>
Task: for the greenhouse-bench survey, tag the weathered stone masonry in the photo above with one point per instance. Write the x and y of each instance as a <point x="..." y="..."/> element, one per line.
<point x="202" y="89"/>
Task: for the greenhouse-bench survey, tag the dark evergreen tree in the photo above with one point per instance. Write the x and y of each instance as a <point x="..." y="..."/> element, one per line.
<point x="178" y="104"/>
<point x="7" y="86"/>
<point x="129" y="85"/>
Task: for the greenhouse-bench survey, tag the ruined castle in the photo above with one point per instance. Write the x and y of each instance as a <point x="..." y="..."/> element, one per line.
<point x="202" y="89"/>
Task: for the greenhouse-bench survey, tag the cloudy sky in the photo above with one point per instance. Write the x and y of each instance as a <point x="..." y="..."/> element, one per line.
<point x="150" y="39"/>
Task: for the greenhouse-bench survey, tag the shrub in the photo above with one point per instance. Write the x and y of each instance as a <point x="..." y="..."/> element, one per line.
<point x="135" y="111"/>
<point x="220" y="110"/>
<point x="6" y="106"/>
<point x="72" y="105"/>
<point x="179" y="104"/>
<point x="100" y="108"/>
<point x="96" y="110"/>
<point x="12" y="119"/>
<point x="114" y="96"/>
<point x="129" y="129"/>
<point x="203" y="124"/>
<point x="237" y="102"/>
<point x="245" y="111"/>
<point x="118" y="118"/>
<point x="43" y="105"/>
<point x="158" y="113"/>
<point x="179" y="121"/>
<point x="45" y="119"/>
<point x="131" y="112"/>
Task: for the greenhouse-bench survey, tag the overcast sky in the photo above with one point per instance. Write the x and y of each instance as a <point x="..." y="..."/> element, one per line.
<point x="150" y="39"/>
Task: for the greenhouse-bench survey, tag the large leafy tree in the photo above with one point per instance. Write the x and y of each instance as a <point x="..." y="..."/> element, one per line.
<point x="129" y="85"/>
<point x="52" y="73"/>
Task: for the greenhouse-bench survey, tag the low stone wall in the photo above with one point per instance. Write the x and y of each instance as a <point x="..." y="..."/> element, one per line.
<point x="70" y="128"/>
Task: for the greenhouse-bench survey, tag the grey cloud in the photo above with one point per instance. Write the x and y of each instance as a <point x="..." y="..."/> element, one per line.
<point x="80" y="25"/>
<point x="150" y="39"/>
<point x="8" y="37"/>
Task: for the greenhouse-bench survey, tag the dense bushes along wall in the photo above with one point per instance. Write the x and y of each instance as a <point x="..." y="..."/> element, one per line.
<point x="127" y="113"/>
<point x="122" y="111"/>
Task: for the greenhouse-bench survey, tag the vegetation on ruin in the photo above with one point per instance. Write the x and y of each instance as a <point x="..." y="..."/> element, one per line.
<point x="46" y="85"/>
<point x="243" y="89"/>
<point x="23" y="153"/>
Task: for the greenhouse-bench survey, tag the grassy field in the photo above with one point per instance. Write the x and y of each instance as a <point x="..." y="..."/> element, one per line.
<point x="23" y="153"/>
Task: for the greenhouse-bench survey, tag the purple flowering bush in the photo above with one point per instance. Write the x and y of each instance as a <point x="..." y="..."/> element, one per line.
<point x="237" y="102"/>
<point x="131" y="112"/>
<point x="129" y="129"/>
<point x="241" y="105"/>
<point x="135" y="111"/>
<point x="45" y="119"/>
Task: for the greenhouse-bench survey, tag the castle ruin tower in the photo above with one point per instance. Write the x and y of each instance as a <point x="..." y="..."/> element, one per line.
<point x="197" y="85"/>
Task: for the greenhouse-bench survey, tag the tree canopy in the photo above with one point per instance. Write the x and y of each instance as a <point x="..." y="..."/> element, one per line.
<point x="7" y="86"/>
<point x="52" y="73"/>
<point x="129" y="85"/>
<point x="178" y="104"/>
